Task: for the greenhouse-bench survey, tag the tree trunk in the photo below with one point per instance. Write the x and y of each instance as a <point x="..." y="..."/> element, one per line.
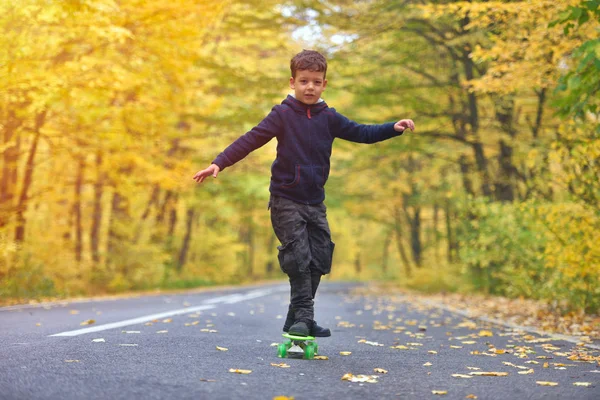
<point x="28" y="179"/>
<point x="466" y="179"/>
<point x="386" y="252"/>
<point x="436" y="235"/>
<point x="97" y="213"/>
<point x="153" y="200"/>
<point x="535" y="129"/>
<point x="172" y="217"/>
<point x="506" y="178"/>
<point x="77" y="210"/>
<point x="399" y="244"/>
<point x="117" y="231"/>
<point x="449" y="232"/>
<point x="185" y="246"/>
<point x="10" y="161"/>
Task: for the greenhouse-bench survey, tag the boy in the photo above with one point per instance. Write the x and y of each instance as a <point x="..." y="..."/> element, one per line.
<point x="305" y="128"/>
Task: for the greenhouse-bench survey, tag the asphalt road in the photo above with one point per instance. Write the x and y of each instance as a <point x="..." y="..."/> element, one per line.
<point x="166" y="347"/>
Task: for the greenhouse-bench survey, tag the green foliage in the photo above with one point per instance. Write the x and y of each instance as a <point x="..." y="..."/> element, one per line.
<point x="579" y="88"/>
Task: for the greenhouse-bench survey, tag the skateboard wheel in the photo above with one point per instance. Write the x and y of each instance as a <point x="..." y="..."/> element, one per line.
<point x="282" y="350"/>
<point x="288" y="343"/>
<point x="309" y="352"/>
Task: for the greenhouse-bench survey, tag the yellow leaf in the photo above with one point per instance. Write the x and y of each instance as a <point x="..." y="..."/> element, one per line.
<point x="281" y="365"/>
<point x="470" y="396"/>
<point x="400" y="347"/>
<point x="544" y="383"/>
<point x="456" y="347"/>
<point x="282" y="398"/>
<point x="345" y="353"/>
<point x="360" y="378"/>
<point x="485" y="333"/>
<point x="427" y="364"/>
<point x="88" y="322"/>
<point x="162" y="331"/>
<point x="482" y="373"/>
<point x="240" y="371"/>
<point x="380" y="370"/>
<point x="529" y="371"/>
<point x="222" y="348"/>
<point x="546" y="365"/>
<point x="168" y="320"/>
<point x="462" y="376"/>
<point x="586" y="384"/>
<point x="74" y="312"/>
<point x="71" y="361"/>
<point x="440" y="392"/>
<point x="432" y="352"/>
<point x="321" y="358"/>
<point x="469" y="342"/>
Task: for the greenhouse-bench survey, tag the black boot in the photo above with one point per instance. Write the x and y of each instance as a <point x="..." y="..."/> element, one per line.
<point x="289" y="320"/>
<point x="318" y="331"/>
<point x="299" y="329"/>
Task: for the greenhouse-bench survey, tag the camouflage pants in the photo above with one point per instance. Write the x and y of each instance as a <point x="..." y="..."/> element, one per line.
<point x="306" y="250"/>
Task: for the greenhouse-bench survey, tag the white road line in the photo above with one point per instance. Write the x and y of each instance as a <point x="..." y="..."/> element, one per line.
<point x="134" y="321"/>
<point x="208" y="304"/>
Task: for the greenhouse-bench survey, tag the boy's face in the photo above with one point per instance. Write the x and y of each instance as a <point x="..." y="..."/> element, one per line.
<point x="308" y="85"/>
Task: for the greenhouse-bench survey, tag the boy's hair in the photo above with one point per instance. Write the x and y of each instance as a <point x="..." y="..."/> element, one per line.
<point x="308" y="60"/>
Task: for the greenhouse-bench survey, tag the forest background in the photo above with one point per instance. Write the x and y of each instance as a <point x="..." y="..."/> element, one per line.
<point x="109" y="107"/>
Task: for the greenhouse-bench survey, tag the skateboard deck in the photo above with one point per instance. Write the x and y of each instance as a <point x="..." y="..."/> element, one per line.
<point x="298" y="347"/>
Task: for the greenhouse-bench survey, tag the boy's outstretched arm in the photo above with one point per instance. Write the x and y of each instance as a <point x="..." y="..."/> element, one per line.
<point x="403" y="124"/>
<point x="213" y="170"/>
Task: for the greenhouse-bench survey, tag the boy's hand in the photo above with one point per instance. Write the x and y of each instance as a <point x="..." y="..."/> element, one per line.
<point x="212" y="170"/>
<point x="404" y="124"/>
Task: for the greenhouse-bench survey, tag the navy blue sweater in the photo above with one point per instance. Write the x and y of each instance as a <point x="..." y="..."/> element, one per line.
<point x="304" y="135"/>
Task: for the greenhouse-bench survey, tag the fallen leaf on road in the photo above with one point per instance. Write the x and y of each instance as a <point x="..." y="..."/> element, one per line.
<point x="345" y="353"/>
<point x="456" y="347"/>
<point x="399" y="347"/>
<point x="222" y="348"/>
<point x="369" y="343"/>
<point x="74" y="312"/>
<point x="282" y="398"/>
<point x="585" y="384"/>
<point x="168" y="320"/>
<point x="432" y="352"/>
<point x="207" y="380"/>
<point x="544" y="383"/>
<point x="440" y="392"/>
<point x="470" y="396"/>
<point x="485" y="333"/>
<point x="529" y="371"/>
<point x="162" y="331"/>
<point x="71" y="361"/>
<point x="281" y="365"/>
<point x="427" y="364"/>
<point x="88" y="322"/>
<point x="380" y="370"/>
<point x="130" y="331"/>
<point x="128" y="344"/>
<point x="483" y="373"/>
<point x="240" y="371"/>
<point x="469" y="342"/>
<point x="99" y="340"/>
<point x="473" y="368"/>
<point x="360" y="378"/>
<point x="462" y="376"/>
<point x="38" y="324"/>
<point x="321" y="358"/>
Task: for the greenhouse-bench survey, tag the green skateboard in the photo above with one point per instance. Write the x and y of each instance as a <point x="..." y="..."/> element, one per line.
<point x="298" y="347"/>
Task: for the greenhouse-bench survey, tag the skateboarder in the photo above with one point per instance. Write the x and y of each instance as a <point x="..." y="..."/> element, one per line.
<point x="305" y="127"/>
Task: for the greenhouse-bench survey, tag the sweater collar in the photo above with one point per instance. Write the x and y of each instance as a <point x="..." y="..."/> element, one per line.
<point x="303" y="108"/>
